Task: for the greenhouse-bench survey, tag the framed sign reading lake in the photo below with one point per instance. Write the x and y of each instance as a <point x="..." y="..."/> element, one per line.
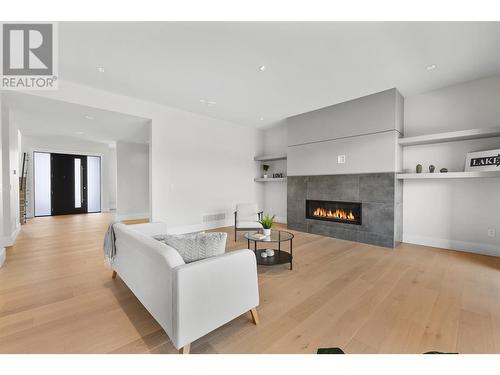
<point x="483" y="161"/>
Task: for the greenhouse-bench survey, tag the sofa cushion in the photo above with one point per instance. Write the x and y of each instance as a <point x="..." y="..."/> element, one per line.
<point x="196" y="246"/>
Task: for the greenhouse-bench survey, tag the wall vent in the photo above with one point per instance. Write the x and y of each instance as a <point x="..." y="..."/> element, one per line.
<point x="209" y="218"/>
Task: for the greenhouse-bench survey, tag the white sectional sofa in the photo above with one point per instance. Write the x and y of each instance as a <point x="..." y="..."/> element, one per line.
<point x="188" y="300"/>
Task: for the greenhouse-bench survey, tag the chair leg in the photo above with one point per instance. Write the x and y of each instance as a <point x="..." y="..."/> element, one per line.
<point x="235" y="234"/>
<point x="113" y="276"/>
<point x="255" y="316"/>
<point x="185" y="349"/>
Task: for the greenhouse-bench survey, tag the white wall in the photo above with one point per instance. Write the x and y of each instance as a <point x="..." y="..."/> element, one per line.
<point x="70" y="145"/>
<point x="112" y="179"/>
<point x="202" y="166"/>
<point x="2" y="249"/>
<point x="198" y="164"/>
<point x="453" y="214"/>
<point x="274" y="193"/>
<point x="10" y="178"/>
<point x="132" y="181"/>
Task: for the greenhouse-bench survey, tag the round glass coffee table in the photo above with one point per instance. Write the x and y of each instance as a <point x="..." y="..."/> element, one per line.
<point x="277" y="236"/>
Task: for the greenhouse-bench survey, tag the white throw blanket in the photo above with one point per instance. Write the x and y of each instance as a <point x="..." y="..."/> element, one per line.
<point x="109" y="245"/>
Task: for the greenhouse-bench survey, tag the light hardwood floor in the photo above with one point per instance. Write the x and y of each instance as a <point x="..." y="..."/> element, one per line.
<point x="56" y="296"/>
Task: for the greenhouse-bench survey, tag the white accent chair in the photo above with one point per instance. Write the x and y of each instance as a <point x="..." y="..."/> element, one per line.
<point x="187" y="300"/>
<point x="246" y="217"/>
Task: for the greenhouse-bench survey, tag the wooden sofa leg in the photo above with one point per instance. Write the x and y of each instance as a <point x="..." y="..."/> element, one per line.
<point x="113" y="276"/>
<point x="255" y="316"/>
<point x="185" y="349"/>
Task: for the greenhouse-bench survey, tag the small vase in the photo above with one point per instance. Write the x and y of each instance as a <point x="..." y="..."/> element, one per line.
<point x="267" y="232"/>
<point x="419" y="168"/>
<point x="265" y="176"/>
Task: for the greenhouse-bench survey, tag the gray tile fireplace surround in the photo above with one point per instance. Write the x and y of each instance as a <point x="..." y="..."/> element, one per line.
<point x="379" y="193"/>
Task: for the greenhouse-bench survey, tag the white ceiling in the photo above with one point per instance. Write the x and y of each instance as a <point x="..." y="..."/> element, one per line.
<point x="309" y="65"/>
<point x="40" y="116"/>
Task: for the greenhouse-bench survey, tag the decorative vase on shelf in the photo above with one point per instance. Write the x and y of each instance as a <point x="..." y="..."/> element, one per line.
<point x="419" y="168"/>
<point x="431" y="168"/>
<point x="267" y="232"/>
<point x="265" y="167"/>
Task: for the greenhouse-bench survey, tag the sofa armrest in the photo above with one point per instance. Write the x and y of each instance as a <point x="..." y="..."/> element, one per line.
<point x="212" y="292"/>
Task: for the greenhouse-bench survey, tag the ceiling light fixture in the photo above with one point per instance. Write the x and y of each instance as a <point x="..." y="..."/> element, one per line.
<point x="100" y="69"/>
<point x="80" y="133"/>
<point x="431" y="67"/>
<point x="208" y="103"/>
<point x="262" y="68"/>
<point x="262" y="119"/>
<point x="88" y="117"/>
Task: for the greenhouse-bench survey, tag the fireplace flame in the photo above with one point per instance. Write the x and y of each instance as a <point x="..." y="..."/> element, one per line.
<point x="334" y="214"/>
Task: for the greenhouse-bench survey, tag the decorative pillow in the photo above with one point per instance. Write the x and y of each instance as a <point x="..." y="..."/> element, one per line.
<point x="196" y="246"/>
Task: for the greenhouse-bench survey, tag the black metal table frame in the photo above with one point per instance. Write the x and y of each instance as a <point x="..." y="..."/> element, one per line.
<point x="279" y="248"/>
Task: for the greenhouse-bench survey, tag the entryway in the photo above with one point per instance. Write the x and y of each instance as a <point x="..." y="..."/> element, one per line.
<point x="66" y="183"/>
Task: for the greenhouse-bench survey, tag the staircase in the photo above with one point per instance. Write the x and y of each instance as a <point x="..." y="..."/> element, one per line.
<point x="23" y="190"/>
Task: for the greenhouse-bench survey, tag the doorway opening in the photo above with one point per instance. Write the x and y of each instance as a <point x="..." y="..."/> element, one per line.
<point x="66" y="184"/>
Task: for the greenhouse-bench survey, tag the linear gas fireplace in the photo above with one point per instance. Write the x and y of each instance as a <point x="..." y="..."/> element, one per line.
<point x="342" y="212"/>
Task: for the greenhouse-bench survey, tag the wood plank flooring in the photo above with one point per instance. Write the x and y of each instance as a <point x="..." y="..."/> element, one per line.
<point x="57" y="296"/>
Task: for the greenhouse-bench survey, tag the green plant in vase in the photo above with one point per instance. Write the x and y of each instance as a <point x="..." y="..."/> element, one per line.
<point x="267" y="223"/>
<point x="265" y="167"/>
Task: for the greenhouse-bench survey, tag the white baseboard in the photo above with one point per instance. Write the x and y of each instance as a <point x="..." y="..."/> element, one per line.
<point x="2" y="256"/>
<point x="132" y="216"/>
<point x="469" y="247"/>
<point x="7" y="241"/>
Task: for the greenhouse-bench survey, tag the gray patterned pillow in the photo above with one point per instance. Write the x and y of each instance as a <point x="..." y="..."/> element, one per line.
<point x="196" y="246"/>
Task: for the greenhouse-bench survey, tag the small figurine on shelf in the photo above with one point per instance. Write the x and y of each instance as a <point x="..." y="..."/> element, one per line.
<point x="443" y="170"/>
<point x="419" y="168"/>
<point x="431" y="168"/>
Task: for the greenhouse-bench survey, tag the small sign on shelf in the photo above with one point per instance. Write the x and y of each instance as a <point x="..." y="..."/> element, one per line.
<point x="483" y="161"/>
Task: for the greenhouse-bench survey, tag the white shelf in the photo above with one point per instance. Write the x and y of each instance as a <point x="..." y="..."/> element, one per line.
<point x="461" y="135"/>
<point x="448" y="175"/>
<point x="269" y="179"/>
<point x="269" y="157"/>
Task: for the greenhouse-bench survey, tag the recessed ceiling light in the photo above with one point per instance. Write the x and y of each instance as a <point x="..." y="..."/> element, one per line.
<point x="262" y="119"/>
<point x="80" y="133"/>
<point x="100" y="69"/>
<point x="88" y="117"/>
<point x="262" y="68"/>
<point x="431" y="67"/>
<point x="208" y="103"/>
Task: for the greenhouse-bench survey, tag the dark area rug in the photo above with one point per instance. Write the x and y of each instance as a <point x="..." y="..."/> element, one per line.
<point x="340" y="351"/>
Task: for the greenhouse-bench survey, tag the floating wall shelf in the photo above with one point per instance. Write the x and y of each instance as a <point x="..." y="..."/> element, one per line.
<point x="448" y="175"/>
<point x="269" y="157"/>
<point x="461" y="135"/>
<point x="269" y="179"/>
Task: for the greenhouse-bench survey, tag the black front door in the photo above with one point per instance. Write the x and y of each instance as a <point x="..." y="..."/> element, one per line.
<point x="68" y="184"/>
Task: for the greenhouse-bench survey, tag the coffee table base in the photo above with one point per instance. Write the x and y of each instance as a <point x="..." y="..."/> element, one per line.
<point x="280" y="257"/>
